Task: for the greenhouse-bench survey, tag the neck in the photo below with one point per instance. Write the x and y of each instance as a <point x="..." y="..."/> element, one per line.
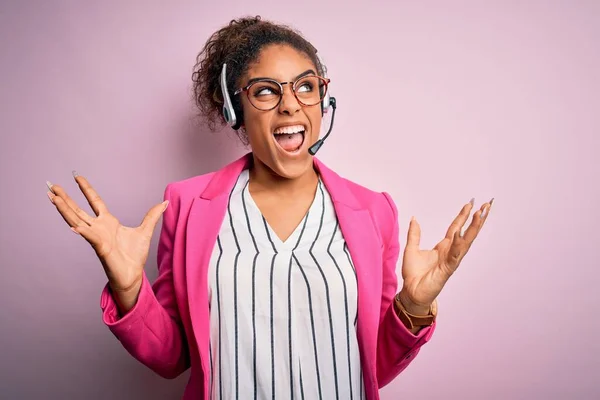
<point x="262" y="178"/>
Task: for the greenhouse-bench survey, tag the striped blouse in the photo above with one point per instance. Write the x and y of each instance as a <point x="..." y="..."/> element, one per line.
<point x="282" y="313"/>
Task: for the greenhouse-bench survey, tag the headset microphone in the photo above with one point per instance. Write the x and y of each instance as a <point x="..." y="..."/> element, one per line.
<point x="315" y="147"/>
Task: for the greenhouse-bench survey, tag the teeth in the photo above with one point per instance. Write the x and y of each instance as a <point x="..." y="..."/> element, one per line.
<point x="289" y="129"/>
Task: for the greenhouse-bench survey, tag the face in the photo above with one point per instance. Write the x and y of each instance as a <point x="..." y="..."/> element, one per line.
<point x="271" y="133"/>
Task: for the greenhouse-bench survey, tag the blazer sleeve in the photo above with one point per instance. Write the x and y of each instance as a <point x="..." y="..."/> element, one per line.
<point x="152" y="331"/>
<point x="396" y="345"/>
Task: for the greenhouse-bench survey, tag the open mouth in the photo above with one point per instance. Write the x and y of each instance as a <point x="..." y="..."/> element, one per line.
<point x="290" y="138"/>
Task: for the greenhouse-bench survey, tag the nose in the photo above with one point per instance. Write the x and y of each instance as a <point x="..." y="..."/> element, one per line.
<point x="289" y="104"/>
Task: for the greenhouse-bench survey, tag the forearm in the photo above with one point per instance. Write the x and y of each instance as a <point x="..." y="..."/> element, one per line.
<point x="397" y="346"/>
<point x="151" y="333"/>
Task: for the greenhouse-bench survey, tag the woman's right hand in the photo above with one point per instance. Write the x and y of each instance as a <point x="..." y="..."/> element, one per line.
<point x="123" y="251"/>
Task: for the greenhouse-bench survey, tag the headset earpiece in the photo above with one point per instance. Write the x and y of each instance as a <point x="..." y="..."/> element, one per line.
<point x="325" y="103"/>
<point x="229" y="113"/>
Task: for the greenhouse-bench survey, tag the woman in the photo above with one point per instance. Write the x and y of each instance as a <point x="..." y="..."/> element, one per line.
<point x="276" y="276"/>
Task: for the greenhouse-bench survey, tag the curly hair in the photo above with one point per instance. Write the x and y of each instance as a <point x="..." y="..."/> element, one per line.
<point x="239" y="44"/>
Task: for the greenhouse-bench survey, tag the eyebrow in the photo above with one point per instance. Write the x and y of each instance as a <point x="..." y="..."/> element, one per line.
<point x="307" y="72"/>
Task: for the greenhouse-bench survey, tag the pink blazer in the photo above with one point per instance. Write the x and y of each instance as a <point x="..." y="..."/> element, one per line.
<point x="168" y="328"/>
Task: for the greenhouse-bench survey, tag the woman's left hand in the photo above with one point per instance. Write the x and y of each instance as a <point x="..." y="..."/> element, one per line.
<point x="425" y="272"/>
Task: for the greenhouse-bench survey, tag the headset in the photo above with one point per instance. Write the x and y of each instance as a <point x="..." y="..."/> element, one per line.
<point x="231" y="117"/>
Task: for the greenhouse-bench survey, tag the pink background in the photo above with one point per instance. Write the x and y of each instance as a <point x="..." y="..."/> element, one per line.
<point x="438" y="103"/>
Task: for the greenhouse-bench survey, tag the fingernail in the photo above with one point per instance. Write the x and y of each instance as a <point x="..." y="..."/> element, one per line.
<point x="491" y="201"/>
<point x="74" y="231"/>
<point x="75" y="174"/>
<point x="51" y="196"/>
<point x="483" y="213"/>
<point x="166" y="203"/>
<point x="50" y="187"/>
<point x="472" y="201"/>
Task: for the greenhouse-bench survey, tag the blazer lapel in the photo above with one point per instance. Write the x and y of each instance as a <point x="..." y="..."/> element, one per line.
<point x="204" y="223"/>
<point x="365" y="247"/>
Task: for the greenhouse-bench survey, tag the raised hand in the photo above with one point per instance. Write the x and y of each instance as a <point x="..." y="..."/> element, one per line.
<point x="425" y="272"/>
<point x="122" y="250"/>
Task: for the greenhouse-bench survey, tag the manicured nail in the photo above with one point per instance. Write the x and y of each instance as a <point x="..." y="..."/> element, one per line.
<point x="472" y="201"/>
<point x="50" y="187"/>
<point x="483" y="213"/>
<point x="75" y="174"/>
<point x="166" y="203"/>
<point x="491" y="201"/>
<point x="51" y="196"/>
<point x="74" y="231"/>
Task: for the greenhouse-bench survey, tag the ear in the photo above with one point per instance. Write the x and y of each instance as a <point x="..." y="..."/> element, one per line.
<point x="239" y="111"/>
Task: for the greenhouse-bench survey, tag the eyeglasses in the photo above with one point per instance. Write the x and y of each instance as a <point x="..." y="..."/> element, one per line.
<point x="265" y="94"/>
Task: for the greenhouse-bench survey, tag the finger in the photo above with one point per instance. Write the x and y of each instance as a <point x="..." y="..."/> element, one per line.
<point x="90" y="194"/>
<point x="88" y="234"/>
<point x="59" y="191"/>
<point x="460" y="219"/>
<point x="413" y="238"/>
<point x="63" y="208"/>
<point x="479" y="219"/>
<point x="485" y="213"/>
<point x="151" y="218"/>
<point x="456" y="252"/>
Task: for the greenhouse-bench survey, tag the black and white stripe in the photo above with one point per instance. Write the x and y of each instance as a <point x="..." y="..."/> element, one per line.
<point x="283" y="313"/>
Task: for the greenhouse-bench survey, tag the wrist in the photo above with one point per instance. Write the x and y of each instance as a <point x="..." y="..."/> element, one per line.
<point x="414" y="316"/>
<point x="412" y="307"/>
<point x="129" y="288"/>
<point x="126" y="298"/>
